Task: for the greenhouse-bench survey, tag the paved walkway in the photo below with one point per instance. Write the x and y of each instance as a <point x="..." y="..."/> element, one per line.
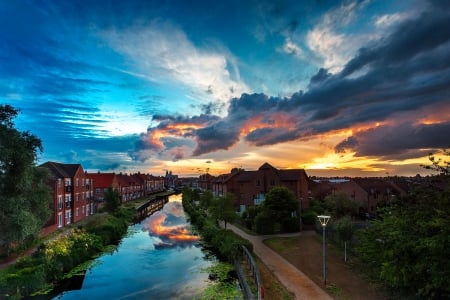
<point x="291" y="277"/>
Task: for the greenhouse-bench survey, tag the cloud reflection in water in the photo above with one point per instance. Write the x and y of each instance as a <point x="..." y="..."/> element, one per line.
<point x="170" y="227"/>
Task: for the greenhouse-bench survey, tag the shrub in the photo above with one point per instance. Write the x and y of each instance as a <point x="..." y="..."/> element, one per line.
<point x="264" y="224"/>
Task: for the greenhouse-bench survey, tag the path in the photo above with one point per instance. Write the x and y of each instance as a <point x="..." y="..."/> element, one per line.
<point x="291" y="277"/>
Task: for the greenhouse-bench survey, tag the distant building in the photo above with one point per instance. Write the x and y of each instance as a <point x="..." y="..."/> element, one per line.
<point x="368" y="193"/>
<point x="251" y="187"/>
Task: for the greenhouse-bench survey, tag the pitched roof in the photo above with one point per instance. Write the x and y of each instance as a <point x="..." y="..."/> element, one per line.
<point x="61" y="170"/>
<point x="102" y="180"/>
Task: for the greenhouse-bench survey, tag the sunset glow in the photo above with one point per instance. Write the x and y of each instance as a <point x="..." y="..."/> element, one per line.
<point x="336" y="87"/>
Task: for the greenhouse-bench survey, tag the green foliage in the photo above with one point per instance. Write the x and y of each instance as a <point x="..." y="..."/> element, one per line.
<point x="309" y="216"/>
<point x="225" y="285"/>
<point x="112" y="199"/>
<point x="24" y="195"/>
<point x="111" y="230"/>
<point x="206" y="199"/>
<point x="264" y="223"/>
<point x="225" y="244"/>
<point x="68" y="254"/>
<point x="223" y="208"/>
<point x="249" y="215"/>
<point x="339" y="204"/>
<point x="407" y="249"/>
<point x="345" y="228"/>
<point x="280" y="203"/>
<point x="279" y="207"/>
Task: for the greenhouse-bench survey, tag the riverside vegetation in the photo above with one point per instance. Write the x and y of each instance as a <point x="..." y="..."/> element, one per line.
<point x="204" y="213"/>
<point x="68" y="254"/>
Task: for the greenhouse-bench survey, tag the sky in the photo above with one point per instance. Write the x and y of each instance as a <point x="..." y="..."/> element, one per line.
<point x="338" y="88"/>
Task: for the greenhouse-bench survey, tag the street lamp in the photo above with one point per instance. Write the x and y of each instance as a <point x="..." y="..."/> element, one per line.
<point x="323" y="221"/>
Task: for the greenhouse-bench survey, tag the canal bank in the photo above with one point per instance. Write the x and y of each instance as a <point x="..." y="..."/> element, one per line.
<point x="159" y="258"/>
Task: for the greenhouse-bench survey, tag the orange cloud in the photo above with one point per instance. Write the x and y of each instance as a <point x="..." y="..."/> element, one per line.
<point x="172" y="233"/>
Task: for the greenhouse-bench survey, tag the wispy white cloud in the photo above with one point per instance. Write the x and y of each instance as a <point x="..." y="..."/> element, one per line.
<point x="292" y="48"/>
<point x="329" y="41"/>
<point x="163" y="53"/>
<point x="388" y="20"/>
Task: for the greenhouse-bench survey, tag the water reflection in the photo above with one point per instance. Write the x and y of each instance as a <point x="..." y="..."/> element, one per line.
<point x="168" y="227"/>
<point x="143" y="269"/>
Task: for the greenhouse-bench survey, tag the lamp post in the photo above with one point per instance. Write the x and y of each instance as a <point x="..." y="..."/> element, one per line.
<point x="323" y="221"/>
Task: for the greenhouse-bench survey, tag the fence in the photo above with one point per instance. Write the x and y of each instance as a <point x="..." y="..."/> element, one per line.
<point x="255" y="273"/>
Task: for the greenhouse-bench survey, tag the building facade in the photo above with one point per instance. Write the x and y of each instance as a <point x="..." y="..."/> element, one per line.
<point x="72" y="194"/>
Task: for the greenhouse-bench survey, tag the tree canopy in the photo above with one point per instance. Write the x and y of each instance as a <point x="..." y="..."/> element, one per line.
<point x="24" y="194"/>
<point x="407" y="247"/>
<point x="223" y="208"/>
<point x="112" y="199"/>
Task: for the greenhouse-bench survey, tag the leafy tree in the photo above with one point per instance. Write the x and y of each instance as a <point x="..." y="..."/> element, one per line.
<point x="24" y="194"/>
<point x="345" y="229"/>
<point x="280" y="204"/>
<point x="223" y="208"/>
<point x="339" y="204"/>
<point x="206" y="199"/>
<point x="407" y="249"/>
<point x="439" y="165"/>
<point x="264" y="223"/>
<point x="112" y="199"/>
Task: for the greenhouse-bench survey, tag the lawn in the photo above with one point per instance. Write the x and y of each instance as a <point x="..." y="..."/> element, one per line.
<point x="344" y="280"/>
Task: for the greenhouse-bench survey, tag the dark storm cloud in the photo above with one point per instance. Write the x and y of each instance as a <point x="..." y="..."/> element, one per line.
<point x="406" y="71"/>
<point x="397" y="141"/>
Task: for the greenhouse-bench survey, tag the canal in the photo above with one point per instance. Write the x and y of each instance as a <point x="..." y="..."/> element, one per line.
<point x="159" y="258"/>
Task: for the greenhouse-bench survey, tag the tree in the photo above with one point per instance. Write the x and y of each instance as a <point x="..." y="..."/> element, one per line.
<point x="345" y="230"/>
<point x="223" y="208"/>
<point x="339" y="204"/>
<point x="24" y="194"/>
<point x="407" y="248"/>
<point x="281" y="206"/>
<point x="112" y="199"/>
<point x="439" y="165"/>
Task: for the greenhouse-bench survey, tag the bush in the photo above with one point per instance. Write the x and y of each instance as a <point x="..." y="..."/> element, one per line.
<point x="290" y="225"/>
<point x="309" y="216"/>
<point x="264" y="224"/>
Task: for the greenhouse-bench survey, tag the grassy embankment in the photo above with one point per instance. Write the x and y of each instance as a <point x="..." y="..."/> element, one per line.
<point x="65" y="253"/>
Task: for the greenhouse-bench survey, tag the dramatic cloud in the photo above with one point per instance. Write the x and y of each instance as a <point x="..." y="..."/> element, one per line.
<point x="397" y="142"/>
<point x="406" y="71"/>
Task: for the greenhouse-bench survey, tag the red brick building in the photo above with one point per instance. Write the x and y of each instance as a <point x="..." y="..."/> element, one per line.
<point x="250" y="187"/>
<point x="72" y="194"/>
<point x="368" y="193"/>
<point x="101" y="182"/>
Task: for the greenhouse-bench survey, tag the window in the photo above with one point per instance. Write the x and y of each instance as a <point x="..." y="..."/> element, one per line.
<point x="76" y="182"/>
<point x="68" y="216"/>
<point x="258" y="183"/>
<point x="76" y="212"/>
<point x="60" y="220"/>
<point x="60" y="202"/>
<point x="77" y="197"/>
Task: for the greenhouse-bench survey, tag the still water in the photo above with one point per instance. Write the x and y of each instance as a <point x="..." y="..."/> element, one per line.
<point x="158" y="259"/>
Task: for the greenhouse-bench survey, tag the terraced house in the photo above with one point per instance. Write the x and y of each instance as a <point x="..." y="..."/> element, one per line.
<point x="250" y="187"/>
<point x="72" y="194"/>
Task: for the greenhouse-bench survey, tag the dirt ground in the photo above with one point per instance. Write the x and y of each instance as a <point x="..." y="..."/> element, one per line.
<point x="343" y="280"/>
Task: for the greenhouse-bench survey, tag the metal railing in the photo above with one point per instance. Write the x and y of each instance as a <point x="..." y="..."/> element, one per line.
<point x="255" y="273"/>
